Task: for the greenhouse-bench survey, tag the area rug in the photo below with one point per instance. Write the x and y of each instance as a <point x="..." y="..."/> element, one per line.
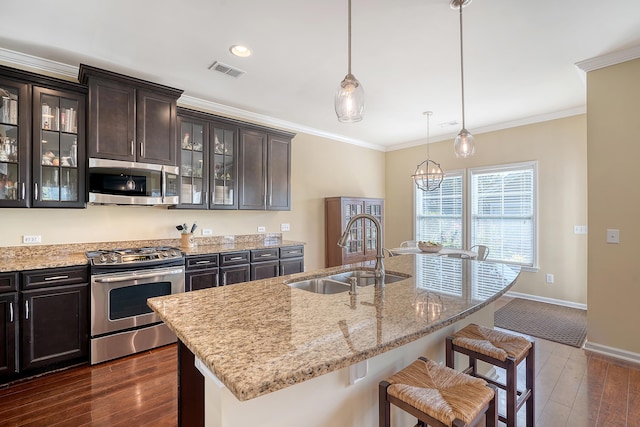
<point x="548" y="321"/>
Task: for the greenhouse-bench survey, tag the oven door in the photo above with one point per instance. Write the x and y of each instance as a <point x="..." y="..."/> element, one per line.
<point x="119" y="300"/>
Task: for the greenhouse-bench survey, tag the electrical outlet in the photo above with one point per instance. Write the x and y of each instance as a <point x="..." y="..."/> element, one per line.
<point x="549" y="278"/>
<point x="262" y="229"/>
<point x="207" y="232"/>
<point x="31" y="239"/>
<point x="579" y="229"/>
<point x="285" y="227"/>
<point x="613" y="236"/>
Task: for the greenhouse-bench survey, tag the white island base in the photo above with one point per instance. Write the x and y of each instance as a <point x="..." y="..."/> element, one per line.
<point x="331" y="400"/>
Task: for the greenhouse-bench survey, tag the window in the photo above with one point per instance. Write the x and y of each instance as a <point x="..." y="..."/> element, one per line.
<point x="502" y="216"/>
<point x="500" y="211"/>
<point x="439" y="212"/>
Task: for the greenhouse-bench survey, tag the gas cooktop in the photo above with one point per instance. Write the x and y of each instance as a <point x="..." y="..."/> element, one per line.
<point x="134" y="256"/>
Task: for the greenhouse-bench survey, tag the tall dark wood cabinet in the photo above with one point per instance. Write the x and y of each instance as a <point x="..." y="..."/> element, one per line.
<point x="9" y="321"/>
<point x="130" y="119"/>
<point x="265" y="171"/>
<point x="363" y="236"/>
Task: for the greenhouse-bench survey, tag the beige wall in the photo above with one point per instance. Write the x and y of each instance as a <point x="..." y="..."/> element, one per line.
<point x="320" y="168"/>
<point x="559" y="146"/>
<point x="614" y="202"/>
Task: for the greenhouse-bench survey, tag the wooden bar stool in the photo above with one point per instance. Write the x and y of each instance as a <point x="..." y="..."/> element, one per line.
<point x="438" y="396"/>
<point x="505" y="351"/>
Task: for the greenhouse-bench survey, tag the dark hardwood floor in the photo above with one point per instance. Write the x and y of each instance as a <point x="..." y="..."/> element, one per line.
<point x="138" y="390"/>
<point x="574" y="389"/>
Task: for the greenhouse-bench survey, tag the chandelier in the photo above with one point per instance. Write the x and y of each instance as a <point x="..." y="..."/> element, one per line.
<point x="428" y="176"/>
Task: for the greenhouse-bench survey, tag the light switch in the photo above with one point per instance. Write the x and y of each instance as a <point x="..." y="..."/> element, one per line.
<point x="613" y="236"/>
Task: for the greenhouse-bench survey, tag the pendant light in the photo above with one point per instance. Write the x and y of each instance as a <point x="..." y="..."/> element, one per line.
<point x="464" y="144"/>
<point x="428" y="176"/>
<point x="349" y="100"/>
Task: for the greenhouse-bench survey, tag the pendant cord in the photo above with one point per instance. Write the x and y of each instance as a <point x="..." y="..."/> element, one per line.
<point x="349" y="48"/>
<point x="461" y="65"/>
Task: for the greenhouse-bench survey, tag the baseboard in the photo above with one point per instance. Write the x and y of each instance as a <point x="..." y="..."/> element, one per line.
<point x="615" y="353"/>
<point x="547" y="300"/>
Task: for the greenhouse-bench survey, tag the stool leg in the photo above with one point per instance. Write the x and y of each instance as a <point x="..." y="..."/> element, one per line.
<point x="384" y="408"/>
<point x="512" y="391"/>
<point x="530" y="380"/>
<point x="449" y="353"/>
<point x="491" y="419"/>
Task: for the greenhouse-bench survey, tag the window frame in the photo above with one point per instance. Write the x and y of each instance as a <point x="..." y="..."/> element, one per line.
<point x="533" y="166"/>
<point x="456" y="172"/>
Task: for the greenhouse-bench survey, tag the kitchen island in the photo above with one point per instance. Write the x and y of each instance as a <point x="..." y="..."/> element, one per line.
<point x="276" y="355"/>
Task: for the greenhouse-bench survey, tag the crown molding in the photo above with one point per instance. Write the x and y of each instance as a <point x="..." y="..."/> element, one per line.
<point x="37" y="63"/>
<point x="214" y="107"/>
<point x="608" y="59"/>
<point x="499" y="126"/>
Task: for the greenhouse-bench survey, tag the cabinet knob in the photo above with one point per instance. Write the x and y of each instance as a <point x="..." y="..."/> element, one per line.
<point x="35" y="191"/>
<point x="133" y="148"/>
<point x="142" y="149"/>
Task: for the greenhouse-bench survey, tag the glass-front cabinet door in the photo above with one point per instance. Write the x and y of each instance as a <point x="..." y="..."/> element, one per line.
<point x="193" y="165"/>
<point x="58" y="153"/>
<point x="224" y="174"/>
<point x="14" y="133"/>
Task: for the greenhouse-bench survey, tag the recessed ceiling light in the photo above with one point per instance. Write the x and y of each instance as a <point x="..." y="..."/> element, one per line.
<point x="239" y="50"/>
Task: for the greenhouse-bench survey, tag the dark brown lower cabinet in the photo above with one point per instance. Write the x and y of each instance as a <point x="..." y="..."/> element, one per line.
<point x="54" y="325"/>
<point x="190" y="390"/>
<point x="8" y="334"/>
<point x="201" y="272"/>
<point x="235" y="274"/>
<point x="291" y="266"/>
<point x="264" y="270"/>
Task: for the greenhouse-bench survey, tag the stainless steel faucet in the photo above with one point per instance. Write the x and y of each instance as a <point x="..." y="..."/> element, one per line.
<point x="379" y="269"/>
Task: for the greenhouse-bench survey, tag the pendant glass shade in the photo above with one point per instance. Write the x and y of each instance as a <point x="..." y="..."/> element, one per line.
<point x="349" y="102"/>
<point x="464" y="145"/>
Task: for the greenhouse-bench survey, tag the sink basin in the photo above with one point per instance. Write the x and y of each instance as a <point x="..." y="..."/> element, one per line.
<point x="321" y="286"/>
<point x="366" y="277"/>
<point x="341" y="282"/>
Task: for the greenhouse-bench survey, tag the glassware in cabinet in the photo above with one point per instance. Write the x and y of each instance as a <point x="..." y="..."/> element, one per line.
<point x="192" y="164"/>
<point x="224" y="167"/>
<point x="57" y="167"/>
<point x="13" y="132"/>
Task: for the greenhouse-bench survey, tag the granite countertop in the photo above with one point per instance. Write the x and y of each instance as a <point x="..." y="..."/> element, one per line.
<point x="22" y="258"/>
<point x="262" y="336"/>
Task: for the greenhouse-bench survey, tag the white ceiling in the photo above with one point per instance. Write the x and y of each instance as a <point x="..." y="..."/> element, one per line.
<point x="519" y="56"/>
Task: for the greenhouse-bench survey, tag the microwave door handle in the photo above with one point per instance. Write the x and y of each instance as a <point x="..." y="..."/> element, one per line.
<point x="135" y="276"/>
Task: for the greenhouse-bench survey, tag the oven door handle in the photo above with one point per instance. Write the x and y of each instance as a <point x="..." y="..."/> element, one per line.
<point x="135" y="276"/>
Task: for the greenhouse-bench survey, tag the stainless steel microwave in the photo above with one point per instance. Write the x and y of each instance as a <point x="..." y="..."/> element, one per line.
<point x="131" y="183"/>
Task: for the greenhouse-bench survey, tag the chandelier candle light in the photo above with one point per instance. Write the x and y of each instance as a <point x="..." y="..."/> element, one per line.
<point x="349" y="100"/>
<point x="428" y="176"/>
<point x="464" y="144"/>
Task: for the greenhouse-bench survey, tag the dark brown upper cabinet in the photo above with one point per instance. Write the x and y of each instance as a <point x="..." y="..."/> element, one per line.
<point x="265" y="170"/>
<point x="42" y="140"/>
<point x="130" y="119"/>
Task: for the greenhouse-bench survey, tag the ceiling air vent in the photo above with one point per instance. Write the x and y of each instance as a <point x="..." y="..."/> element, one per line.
<point x="226" y="69"/>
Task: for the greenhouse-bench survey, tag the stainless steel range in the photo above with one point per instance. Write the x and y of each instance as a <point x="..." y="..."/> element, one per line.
<point x="121" y="282"/>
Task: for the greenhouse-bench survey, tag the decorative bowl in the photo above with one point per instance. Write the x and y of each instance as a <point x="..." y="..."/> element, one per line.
<point x="429" y="247"/>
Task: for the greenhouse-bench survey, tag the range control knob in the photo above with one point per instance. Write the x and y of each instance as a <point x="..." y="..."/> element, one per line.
<point x="175" y="252"/>
<point x="103" y="258"/>
<point x="164" y="254"/>
<point x="113" y="258"/>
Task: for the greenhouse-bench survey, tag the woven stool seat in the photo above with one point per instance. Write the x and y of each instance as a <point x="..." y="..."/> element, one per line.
<point x="444" y="395"/>
<point x="503" y="350"/>
<point x="492" y="343"/>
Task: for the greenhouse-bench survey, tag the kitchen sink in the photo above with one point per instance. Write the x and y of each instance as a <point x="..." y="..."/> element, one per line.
<point x="366" y="277"/>
<point x="321" y="286"/>
<point x="341" y="282"/>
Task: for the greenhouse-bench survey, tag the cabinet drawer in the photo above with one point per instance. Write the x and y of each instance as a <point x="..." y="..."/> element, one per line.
<point x="8" y="282"/>
<point x="200" y="262"/>
<point x="292" y="252"/>
<point x="234" y="258"/>
<point x="54" y="277"/>
<point x="260" y="255"/>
